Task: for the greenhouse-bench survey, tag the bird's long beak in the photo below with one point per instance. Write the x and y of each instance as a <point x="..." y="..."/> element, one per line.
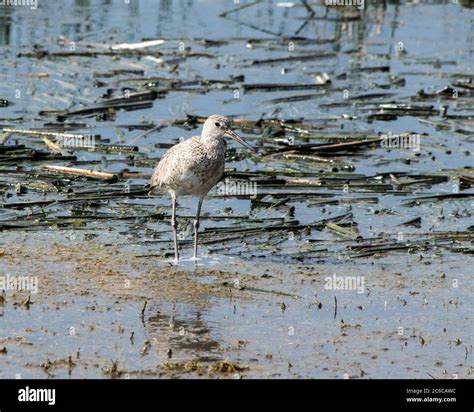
<point x="238" y="139"/>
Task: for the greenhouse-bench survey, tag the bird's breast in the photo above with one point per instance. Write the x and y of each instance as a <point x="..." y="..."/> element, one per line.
<point x="198" y="180"/>
<point x="192" y="167"/>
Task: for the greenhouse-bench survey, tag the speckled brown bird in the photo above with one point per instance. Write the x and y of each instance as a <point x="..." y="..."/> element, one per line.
<point x="193" y="167"/>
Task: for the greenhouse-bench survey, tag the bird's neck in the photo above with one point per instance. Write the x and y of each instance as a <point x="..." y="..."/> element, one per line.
<point x="213" y="143"/>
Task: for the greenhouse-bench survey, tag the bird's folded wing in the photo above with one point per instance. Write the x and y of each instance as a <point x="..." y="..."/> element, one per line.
<point x="177" y="163"/>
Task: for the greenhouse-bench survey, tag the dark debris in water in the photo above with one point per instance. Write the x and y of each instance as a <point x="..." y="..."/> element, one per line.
<point x="357" y="144"/>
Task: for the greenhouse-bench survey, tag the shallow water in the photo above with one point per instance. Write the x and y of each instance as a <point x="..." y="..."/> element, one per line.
<point x="200" y="314"/>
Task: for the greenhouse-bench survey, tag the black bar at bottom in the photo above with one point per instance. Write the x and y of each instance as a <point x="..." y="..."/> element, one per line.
<point x="409" y="394"/>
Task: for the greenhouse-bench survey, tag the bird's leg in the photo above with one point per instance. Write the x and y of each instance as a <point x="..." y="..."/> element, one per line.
<point x="174" y="225"/>
<point x="196" y="227"/>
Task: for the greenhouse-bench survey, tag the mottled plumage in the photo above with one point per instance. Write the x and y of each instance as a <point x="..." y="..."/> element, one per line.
<point x="193" y="167"/>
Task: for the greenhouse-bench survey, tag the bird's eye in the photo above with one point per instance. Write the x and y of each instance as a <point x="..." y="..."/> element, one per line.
<point x="218" y="124"/>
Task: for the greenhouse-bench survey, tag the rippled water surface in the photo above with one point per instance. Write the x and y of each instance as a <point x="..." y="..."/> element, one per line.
<point x="110" y="303"/>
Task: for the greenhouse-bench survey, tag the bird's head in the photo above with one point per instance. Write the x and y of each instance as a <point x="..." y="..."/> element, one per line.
<point x="218" y="127"/>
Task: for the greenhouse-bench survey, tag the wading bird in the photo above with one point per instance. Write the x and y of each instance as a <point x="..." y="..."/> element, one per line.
<point x="193" y="167"/>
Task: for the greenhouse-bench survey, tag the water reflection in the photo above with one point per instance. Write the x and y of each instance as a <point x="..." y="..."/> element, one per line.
<point x="185" y="332"/>
<point x="184" y="18"/>
<point x="5" y="27"/>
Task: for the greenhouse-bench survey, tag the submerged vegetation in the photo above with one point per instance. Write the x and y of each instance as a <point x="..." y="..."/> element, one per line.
<point x="364" y="134"/>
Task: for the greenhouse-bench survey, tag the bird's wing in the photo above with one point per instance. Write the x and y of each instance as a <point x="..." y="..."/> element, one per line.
<point x="177" y="162"/>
